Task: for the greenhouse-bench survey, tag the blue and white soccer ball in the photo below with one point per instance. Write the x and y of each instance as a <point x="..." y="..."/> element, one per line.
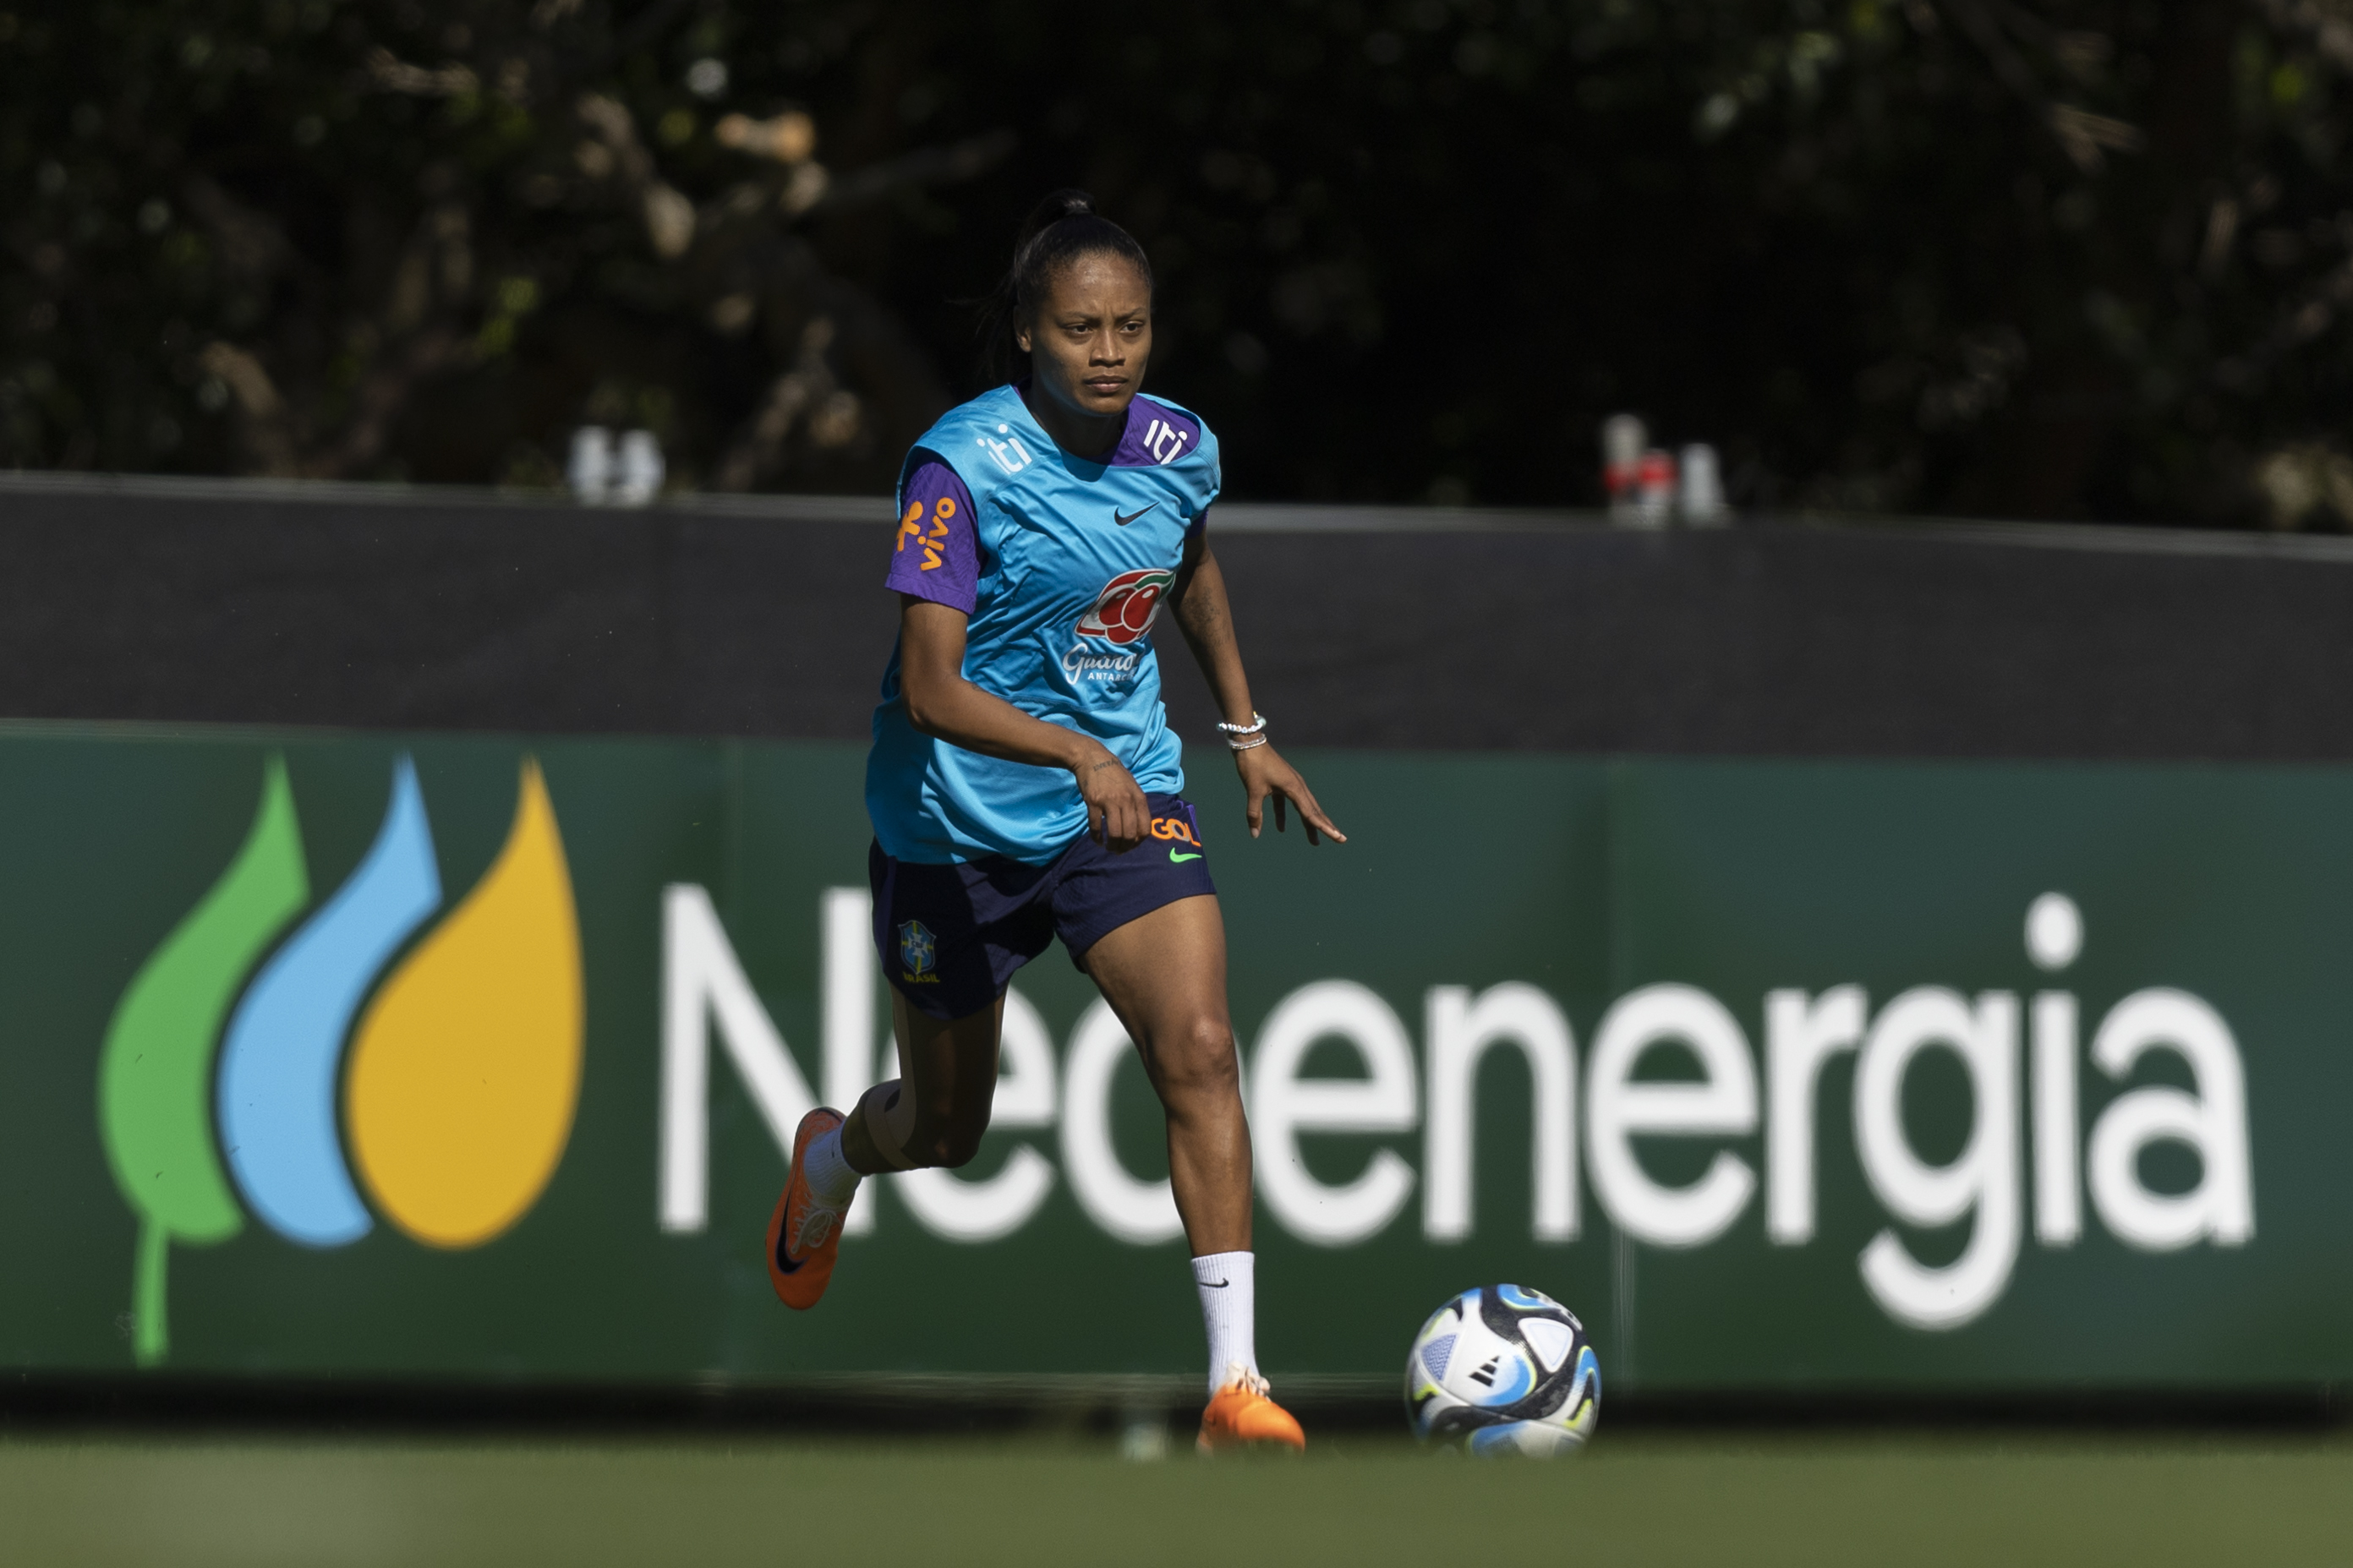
<point x="1503" y="1370"/>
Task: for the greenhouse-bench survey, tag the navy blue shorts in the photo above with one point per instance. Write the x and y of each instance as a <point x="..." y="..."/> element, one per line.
<point x="951" y="936"/>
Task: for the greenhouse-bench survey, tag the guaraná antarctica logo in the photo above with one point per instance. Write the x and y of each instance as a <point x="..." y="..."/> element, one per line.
<point x="457" y="1075"/>
<point x="1128" y="605"/>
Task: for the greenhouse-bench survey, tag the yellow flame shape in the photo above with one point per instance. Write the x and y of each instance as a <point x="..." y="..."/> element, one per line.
<point x="465" y="1067"/>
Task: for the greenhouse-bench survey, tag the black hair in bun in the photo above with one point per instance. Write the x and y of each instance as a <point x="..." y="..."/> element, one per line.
<point x="1061" y="228"/>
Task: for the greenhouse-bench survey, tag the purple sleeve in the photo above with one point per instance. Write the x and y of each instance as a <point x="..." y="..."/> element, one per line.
<point x="937" y="554"/>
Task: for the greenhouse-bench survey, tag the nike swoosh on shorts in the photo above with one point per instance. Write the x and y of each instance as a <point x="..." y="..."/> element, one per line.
<point x="1180" y="859"/>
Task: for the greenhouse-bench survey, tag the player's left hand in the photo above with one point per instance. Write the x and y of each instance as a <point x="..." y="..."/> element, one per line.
<point x="1266" y="774"/>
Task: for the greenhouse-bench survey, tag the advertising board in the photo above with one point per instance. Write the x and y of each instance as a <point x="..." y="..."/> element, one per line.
<point x="474" y="1057"/>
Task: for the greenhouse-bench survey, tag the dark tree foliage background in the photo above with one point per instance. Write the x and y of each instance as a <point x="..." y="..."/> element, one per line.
<point x="2090" y="259"/>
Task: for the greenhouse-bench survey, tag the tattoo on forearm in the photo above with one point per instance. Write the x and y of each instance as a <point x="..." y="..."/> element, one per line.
<point x="1200" y="618"/>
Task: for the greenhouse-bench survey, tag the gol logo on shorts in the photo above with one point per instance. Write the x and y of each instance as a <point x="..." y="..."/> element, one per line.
<point x="1166" y="827"/>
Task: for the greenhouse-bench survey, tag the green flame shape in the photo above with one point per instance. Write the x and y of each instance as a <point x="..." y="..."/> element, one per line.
<point x="154" y="1075"/>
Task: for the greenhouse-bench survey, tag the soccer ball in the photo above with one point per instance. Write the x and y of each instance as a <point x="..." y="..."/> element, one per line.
<point x="1503" y="1370"/>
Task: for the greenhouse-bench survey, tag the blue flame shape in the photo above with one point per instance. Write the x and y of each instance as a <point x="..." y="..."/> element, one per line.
<point x="279" y="1063"/>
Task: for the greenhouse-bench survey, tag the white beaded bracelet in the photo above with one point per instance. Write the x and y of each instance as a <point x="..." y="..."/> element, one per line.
<point x="1236" y="733"/>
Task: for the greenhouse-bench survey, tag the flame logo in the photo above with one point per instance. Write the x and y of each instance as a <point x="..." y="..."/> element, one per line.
<point x="467" y="1067"/>
<point x="157" y="1060"/>
<point x="463" y="1073"/>
<point x="278" y="1064"/>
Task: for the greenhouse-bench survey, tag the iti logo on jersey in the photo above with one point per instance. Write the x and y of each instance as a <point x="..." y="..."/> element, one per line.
<point x="1008" y="454"/>
<point x="1124" y="611"/>
<point x="1164" y="441"/>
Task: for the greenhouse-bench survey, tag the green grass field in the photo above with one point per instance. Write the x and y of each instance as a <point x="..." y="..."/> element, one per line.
<point x="1640" y="1499"/>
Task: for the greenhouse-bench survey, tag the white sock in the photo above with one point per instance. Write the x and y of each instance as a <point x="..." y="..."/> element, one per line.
<point x="1228" y="1282"/>
<point x="830" y="1180"/>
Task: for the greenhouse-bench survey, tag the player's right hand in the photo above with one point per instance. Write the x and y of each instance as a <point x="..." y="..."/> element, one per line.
<point x="1117" y="816"/>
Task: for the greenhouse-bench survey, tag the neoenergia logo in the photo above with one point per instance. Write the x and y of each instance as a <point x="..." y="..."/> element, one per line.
<point x="459" y="1079"/>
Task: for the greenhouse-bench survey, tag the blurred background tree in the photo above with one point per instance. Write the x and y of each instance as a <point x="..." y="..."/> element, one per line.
<point x="2087" y="259"/>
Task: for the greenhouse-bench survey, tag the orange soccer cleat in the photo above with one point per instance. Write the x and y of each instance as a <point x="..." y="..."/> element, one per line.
<point x="1241" y="1416"/>
<point x="803" y="1235"/>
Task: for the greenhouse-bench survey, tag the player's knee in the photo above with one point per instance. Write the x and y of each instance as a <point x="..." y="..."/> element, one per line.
<point x="949" y="1139"/>
<point x="952" y="1143"/>
<point x="1202" y="1062"/>
<point x="957" y="1147"/>
<point x="1212" y="1045"/>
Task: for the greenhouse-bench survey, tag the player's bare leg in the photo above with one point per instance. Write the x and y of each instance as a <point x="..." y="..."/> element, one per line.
<point x="936" y="1110"/>
<point x="932" y="1114"/>
<point x="1164" y="974"/>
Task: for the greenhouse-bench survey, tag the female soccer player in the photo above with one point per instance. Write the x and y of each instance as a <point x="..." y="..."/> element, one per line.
<point x="1023" y="784"/>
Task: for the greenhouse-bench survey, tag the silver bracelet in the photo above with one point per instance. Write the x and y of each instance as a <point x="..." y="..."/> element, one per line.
<point x="1252" y="744"/>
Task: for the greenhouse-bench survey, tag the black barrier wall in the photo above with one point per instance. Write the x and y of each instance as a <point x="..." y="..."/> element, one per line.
<point x="469" y="612"/>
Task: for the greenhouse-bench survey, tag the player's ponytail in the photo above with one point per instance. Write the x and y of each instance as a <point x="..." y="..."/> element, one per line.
<point x="1061" y="229"/>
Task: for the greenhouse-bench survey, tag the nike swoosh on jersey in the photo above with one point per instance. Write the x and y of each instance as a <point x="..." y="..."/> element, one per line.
<point x="1131" y="517"/>
<point x="1180" y="859"/>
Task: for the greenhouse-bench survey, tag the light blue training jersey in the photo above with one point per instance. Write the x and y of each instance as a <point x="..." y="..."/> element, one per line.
<point x="1071" y="561"/>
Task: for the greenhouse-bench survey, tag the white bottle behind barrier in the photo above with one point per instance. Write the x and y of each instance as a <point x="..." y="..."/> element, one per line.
<point x="639" y="479"/>
<point x="590" y="473"/>
<point x="1622" y="439"/>
<point x="1699" y="499"/>
<point x="1655" y="502"/>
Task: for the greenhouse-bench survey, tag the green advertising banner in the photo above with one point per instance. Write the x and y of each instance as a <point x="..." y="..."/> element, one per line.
<point x="476" y="1057"/>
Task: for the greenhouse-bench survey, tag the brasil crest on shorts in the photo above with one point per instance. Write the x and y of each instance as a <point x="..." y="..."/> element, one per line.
<point x="917" y="951"/>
